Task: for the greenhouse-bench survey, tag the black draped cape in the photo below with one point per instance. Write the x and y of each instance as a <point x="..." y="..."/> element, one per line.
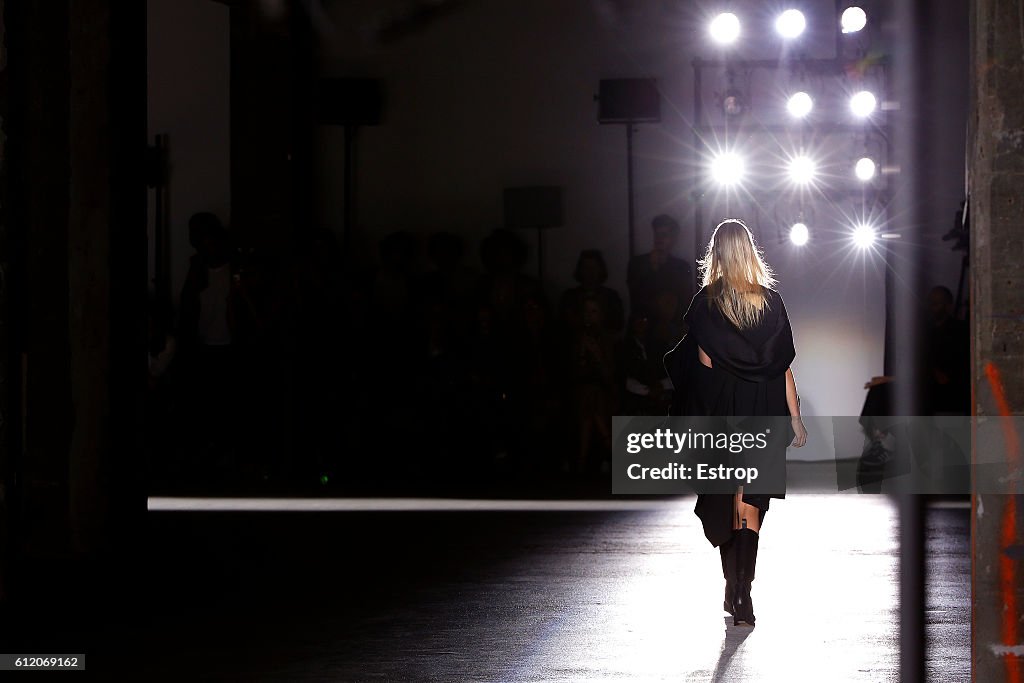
<point x="747" y="378"/>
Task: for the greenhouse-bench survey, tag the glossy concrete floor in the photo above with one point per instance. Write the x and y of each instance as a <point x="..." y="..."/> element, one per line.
<point x="626" y="595"/>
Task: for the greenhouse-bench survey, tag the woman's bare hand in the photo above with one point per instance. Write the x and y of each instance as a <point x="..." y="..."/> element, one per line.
<point x="801" y="432"/>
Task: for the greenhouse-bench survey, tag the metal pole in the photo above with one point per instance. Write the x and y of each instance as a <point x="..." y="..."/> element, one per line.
<point x="909" y="80"/>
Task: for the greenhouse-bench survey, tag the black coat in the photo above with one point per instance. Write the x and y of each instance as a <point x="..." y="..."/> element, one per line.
<point x="747" y="378"/>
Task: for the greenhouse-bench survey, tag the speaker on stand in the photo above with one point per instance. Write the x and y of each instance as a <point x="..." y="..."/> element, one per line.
<point x="534" y="207"/>
<point x="629" y="101"/>
<point x="349" y="102"/>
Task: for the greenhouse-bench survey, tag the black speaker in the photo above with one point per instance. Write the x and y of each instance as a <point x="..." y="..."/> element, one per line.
<point x="350" y="101"/>
<point x="629" y="100"/>
<point x="533" y="207"/>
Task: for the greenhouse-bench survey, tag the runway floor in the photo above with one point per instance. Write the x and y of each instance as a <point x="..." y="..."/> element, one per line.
<point x="534" y="595"/>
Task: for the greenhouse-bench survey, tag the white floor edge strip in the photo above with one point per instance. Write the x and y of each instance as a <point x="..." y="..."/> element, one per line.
<point x="169" y="504"/>
<point x="212" y="504"/>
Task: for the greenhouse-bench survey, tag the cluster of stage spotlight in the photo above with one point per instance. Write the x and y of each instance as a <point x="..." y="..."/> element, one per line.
<point x="862" y="104"/>
<point x="863" y="235"/>
<point x="726" y="29"/>
<point x="728" y="169"/>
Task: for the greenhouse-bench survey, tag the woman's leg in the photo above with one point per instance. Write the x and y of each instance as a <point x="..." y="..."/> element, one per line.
<point x="745" y="516"/>
<point x="746" y="527"/>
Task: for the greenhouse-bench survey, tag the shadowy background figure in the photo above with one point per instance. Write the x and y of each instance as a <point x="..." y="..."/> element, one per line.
<point x="657" y="271"/>
<point x="206" y="347"/>
<point x="591" y="272"/>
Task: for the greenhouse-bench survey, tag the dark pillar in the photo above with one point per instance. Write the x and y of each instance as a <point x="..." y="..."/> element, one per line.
<point x="74" y="226"/>
<point x="996" y="187"/>
<point x="912" y="149"/>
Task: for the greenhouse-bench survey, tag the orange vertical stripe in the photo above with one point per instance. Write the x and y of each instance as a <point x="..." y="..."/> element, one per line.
<point x="1008" y="531"/>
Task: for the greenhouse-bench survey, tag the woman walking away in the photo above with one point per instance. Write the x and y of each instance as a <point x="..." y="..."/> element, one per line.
<point x="735" y="361"/>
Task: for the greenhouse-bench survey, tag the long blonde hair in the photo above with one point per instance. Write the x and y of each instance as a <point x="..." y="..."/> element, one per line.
<point x="735" y="273"/>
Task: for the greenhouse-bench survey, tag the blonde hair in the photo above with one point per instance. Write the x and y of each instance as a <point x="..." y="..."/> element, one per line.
<point x="735" y="273"/>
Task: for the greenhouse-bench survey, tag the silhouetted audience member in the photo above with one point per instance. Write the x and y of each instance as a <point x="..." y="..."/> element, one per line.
<point x="450" y="281"/>
<point x="643" y="384"/>
<point x="317" y="339"/>
<point x="264" y="334"/>
<point x="391" y="309"/>
<point x="203" y="313"/>
<point x="162" y="347"/>
<point x="490" y="372"/>
<point x="538" y="391"/>
<point x="941" y="386"/>
<point x="438" y="390"/>
<point x="591" y="273"/>
<point x="390" y="293"/>
<point x="206" y="342"/>
<point x="162" y="342"/>
<point x="947" y="373"/>
<point x="657" y="271"/>
<point x="593" y="386"/>
<point x="504" y="287"/>
<point x="942" y="374"/>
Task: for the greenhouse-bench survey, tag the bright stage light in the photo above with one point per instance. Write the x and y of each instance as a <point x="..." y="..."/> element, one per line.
<point x="725" y="28"/>
<point x="864" y="235"/>
<point x="853" y="19"/>
<point x="798" y="234"/>
<point x="790" y="23"/>
<point x="802" y="170"/>
<point x="799" y="104"/>
<point x="865" y="169"/>
<point x="862" y="104"/>
<point x="727" y="168"/>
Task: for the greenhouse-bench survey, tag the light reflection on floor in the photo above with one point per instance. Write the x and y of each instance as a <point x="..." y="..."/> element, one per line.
<point x="825" y="597"/>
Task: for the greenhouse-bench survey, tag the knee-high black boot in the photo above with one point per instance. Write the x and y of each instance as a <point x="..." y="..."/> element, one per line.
<point x="728" y="552"/>
<point x="745" y="541"/>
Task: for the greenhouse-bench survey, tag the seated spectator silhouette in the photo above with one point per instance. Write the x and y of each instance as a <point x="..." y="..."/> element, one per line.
<point x="642" y="377"/>
<point x="591" y="274"/>
<point x="504" y="287"/>
<point x="593" y="387"/>
<point x="450" y="282"/>
<point x="390" y="292"/>
<point x="940" y="379"/>
<point x="206" y="338"/>
<point x="489" y="377"/>
<point x="538" y="389"/>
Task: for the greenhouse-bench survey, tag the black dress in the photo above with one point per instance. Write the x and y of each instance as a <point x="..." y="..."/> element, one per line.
<point x="747" y="378"/>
